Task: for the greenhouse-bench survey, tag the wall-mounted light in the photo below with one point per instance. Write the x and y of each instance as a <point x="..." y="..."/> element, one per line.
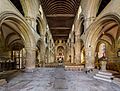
<point x="103" y="33"/>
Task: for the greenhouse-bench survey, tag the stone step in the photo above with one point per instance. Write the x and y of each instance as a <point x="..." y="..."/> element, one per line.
<point x="104" y="76"/>
<point x="3" y="82"/>
<point x="116" y="81"/>
<point x="104" y="79"/>
<point x="105" y="73"/>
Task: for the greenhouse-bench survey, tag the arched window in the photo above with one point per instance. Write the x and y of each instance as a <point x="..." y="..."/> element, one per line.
<point x="70" y="43"/>
<point x="46" y="38"/>
<point x="74" y="37"/>
<point x="38" y="26"/>
<point x="102" y="50"/>
<point x="82" y="28"/>
<point x="50" y="44"/>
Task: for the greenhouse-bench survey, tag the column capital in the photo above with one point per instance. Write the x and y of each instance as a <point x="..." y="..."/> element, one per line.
<point x="77" y="36"/>
<point x="30" y="18"/>
<point x="31" y="48"/>
<point x="31" y="21"/>
<point x="89" y="18"/>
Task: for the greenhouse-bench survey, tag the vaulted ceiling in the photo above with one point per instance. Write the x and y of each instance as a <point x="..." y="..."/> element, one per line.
<point x="60" y="16"/>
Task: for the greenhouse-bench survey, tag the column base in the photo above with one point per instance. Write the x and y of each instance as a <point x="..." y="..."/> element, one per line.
<point x="29" y="70"/>
<point x="3" y="82"/>
<point x="89" y="67"/>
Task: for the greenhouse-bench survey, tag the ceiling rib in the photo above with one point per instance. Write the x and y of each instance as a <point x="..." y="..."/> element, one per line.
<point x="60" y="15"/>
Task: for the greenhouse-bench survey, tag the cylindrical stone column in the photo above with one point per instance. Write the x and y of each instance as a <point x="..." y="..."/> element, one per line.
<point x="77" y="49"/>
<point x="89" y="56"/>
<point x="30" y="59"/>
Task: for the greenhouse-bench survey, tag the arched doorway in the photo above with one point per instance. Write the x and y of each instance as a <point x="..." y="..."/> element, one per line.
<point x="60" y="54"/>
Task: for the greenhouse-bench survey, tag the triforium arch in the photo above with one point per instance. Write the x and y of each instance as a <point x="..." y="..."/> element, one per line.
<point x="102" y="29"/>
<point x="25" y="32"/>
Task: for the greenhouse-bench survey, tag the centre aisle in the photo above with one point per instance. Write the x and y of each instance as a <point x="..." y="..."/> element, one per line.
<point x="57" y="79"/>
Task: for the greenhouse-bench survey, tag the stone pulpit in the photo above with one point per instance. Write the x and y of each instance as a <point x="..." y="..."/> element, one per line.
<point x="103" y="61"/>
<point x="104" y="74"/>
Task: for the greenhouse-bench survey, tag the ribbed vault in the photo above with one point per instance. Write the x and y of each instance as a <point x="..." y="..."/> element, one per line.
<point x="60" y="15"/>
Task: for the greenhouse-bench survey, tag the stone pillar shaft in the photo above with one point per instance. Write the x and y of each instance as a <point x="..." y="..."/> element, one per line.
<point x="31" y="9"/>
<point x="89" y="58"/>
<point x="77" y="49"/>
<point x="90" y="9"/>
<point x="88" y="21"/>
<point x="30" y="58"/>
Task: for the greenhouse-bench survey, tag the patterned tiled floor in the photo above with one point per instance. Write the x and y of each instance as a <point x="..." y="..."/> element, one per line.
<point x="56" y="79"/>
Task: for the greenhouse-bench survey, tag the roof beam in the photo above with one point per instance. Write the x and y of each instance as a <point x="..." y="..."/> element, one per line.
<point x="60" y="15"/>
<point x="60" y="35"/>
<point x="63" y="38"/>
<point x="60" y="28"/>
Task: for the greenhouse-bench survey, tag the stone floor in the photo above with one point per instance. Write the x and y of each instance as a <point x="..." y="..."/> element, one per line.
<point x="57" y="79"/>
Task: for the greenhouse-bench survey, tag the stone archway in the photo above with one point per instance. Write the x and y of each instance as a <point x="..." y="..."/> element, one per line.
<point x="63" y="53"/>
<point x="106" y="29"/>
<point x="21" y="29"/>
<point x="60" y="53"/>
<point x="78" y="32"/>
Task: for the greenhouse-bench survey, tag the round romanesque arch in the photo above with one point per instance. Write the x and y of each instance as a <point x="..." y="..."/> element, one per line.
<point x="24" y="29"/>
